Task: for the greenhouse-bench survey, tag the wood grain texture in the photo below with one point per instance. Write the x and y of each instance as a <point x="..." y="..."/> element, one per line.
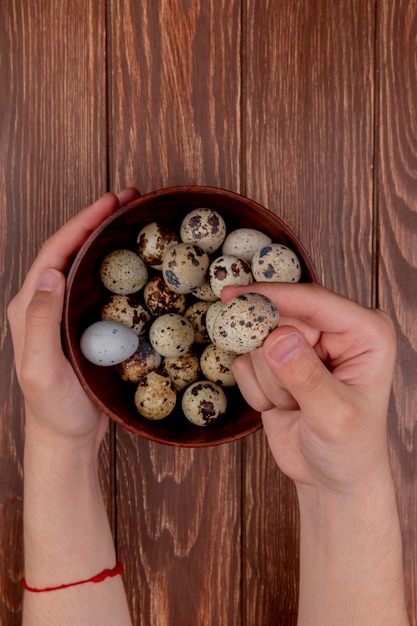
<point x="308" y="108"/>
<point x="175" y="119"/>
<point x="52" y="163"/>
<point x="397" y="203"/>
<point x="308" y="97"/>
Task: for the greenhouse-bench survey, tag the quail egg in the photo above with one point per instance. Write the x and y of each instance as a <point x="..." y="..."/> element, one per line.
<point x="204" y="292"/>
<point x="123" y="272"/>
<point x="155" y="397"/>
<point x="143" y="361"/>
<point x="171" y="335"/>
<point x="211" y="315"/>
<point x="205" y="228"/>
<point x="203" y="403"/>
<point x="185" y="267"/>
<point x="182" y="370"/>
<point x="127" y="310"/>
<point x="108" y="343"/>
<point x="276" y="263"/>
<point x="160" y="299"/>
<point x="244" y="242"/>
<point x="229" y="270"/>
<point x="216" y="365"/>
<point x="244" y="323"/>
<point x="196" y="315"/>
<point x="153" y="239"/>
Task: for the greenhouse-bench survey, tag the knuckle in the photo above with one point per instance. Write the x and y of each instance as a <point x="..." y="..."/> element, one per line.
<point x="39" y="308"/>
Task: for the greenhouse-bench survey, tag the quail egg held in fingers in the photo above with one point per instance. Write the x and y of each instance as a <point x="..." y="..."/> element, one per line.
<point x="244" y="323"/>
<point x="168" y="291"/>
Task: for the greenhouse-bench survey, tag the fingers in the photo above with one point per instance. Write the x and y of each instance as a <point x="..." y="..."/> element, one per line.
<point x="313" y="304"/>
<point x="56" y="253"/>
<point x="249" y="386"/>
<point x="297" y="368"/>
<point x="128" y="195"/>
<point x="42" y="340"/>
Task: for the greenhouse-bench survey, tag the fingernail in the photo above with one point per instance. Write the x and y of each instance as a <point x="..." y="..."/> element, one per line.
<point x="284" y="348"/>
<point x="49" y="280"/>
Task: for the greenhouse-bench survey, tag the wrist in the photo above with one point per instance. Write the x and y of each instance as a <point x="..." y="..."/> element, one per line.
<point x="44" y="441"/>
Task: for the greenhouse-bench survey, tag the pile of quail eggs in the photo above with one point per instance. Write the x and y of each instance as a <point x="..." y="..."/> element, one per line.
<point x="163" y="326"/>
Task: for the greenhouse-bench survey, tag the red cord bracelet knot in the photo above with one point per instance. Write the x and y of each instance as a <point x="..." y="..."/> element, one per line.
<point x="98" y="578"/>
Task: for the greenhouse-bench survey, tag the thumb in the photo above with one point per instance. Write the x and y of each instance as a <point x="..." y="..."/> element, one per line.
<point x="42" y="351"/>
<point x="299" y="370"/>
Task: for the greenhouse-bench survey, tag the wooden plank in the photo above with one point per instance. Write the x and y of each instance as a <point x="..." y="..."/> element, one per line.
<point x="52" y="163"/>
<point x="397" y="203"/>
<point x="174" y="119"/>
<point x="309" y="147"/>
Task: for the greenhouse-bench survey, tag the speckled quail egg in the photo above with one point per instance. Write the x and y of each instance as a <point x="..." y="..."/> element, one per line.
<point x="160" y="299"/>
<point x="143" y="361"/>
<point x="216" y="365"/>
<point x="123" y="272"/>
<point x="205" y="292"/>
<point x="108" y="343"/>
<point x="229" y="270"/>
<point x="127" y="310"/>
<point x="155" y="397"/>
<point x="182" y="370"/>
<point x="185" y="267"/>
<point x="276" y="263"/>
<point x="211" y="315"/>
<point x="153" y="239"/>
<point x="196" y="314"/>
<point x="244" y="323"/>
<point x="171" y="335"/>
<point x="205" y="228"/>
<point x="204" y="402"/>
<point x="244" y="242"/>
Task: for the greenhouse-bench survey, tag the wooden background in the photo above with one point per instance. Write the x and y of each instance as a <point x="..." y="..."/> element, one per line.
<point x="308" y="107"/>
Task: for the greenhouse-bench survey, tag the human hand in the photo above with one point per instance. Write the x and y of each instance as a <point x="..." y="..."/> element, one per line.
<point x="56" y="405"/>
<point x="322" y="382"/>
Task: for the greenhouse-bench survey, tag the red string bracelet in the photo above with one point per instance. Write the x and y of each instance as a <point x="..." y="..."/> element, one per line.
<point x="98" y="578"/>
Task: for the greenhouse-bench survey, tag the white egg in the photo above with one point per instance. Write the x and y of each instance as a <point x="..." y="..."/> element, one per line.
<point x="244" y="242"/>
<point x="108" y="343"/>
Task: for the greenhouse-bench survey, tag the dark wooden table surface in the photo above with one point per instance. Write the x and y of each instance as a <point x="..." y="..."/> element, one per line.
<point x="308" y="107"/>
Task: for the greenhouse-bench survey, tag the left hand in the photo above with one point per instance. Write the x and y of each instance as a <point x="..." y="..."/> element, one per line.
<point x="56" y="405"/>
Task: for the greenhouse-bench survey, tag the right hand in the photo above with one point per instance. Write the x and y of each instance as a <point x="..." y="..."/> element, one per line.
<point x="322" y="382"/>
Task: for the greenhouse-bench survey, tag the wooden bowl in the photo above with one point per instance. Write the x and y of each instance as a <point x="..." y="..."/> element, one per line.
<point x="86" y="294"/>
